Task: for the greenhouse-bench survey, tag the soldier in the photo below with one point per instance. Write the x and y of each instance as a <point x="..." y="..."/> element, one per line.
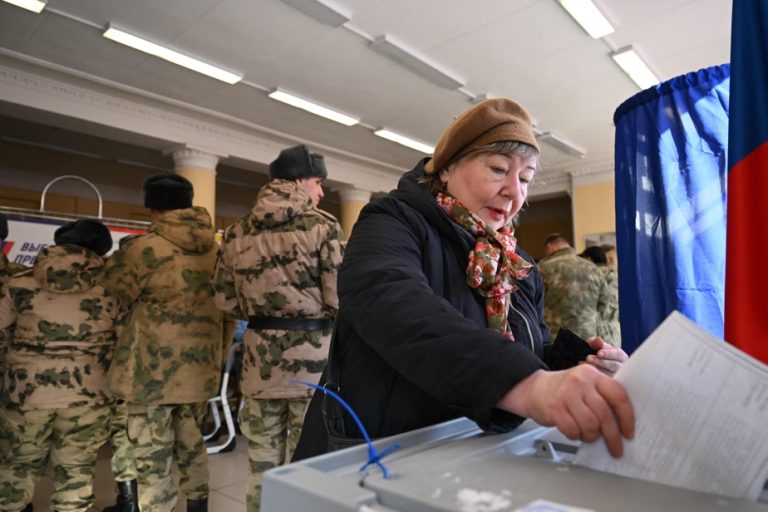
<point x="608" y="326"/>
<point x="168" y="355"/>
<point x="610" y="256"/>
<point x="57" y="363"/>
<point x="277" y="268"/>
<point x="7" y="269"/>
<point x="575" y="289"/>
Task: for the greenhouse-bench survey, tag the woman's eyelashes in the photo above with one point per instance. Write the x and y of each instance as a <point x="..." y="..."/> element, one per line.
<point x="501" y="171"/>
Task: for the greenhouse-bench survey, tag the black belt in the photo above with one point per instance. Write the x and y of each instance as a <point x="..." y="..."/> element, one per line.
<point x="289" y="324"/>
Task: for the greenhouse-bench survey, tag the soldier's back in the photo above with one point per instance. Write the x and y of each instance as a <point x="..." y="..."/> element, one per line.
<point x="573" y="287"/>
<point x="169" y="349"/>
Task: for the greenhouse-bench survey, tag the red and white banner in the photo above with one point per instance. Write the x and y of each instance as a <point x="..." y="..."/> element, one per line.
<point x="27" y="235"/>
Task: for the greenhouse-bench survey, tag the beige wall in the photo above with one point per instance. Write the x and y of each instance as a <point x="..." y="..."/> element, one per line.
<point x="593" y="211"/>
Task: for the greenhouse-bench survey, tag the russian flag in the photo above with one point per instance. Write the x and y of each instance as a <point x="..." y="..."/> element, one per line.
<point x="746" y="276"/>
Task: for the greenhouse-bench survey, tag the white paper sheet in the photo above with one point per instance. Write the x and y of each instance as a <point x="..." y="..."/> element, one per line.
<point x="701" y="408"/>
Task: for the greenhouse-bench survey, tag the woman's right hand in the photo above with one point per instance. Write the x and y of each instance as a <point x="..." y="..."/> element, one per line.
<point x="581" y="402"/>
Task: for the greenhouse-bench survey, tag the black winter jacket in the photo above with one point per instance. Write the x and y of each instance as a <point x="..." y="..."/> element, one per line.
<point x="413" y="347"/>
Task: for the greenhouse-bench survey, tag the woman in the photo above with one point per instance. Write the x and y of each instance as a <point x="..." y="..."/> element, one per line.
<point x="441" y="315"/>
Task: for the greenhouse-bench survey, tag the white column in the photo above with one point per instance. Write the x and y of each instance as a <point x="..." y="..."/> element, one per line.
<point x="199" y="168"/>
<point x="352" y="201"/>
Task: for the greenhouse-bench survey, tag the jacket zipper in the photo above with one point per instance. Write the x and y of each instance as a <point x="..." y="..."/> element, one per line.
<point x="527" y="327"/>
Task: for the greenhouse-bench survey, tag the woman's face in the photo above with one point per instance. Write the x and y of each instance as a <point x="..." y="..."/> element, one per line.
<point x="491" y="185"/>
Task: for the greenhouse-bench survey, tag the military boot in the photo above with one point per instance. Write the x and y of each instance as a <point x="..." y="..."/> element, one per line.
<point x="127" y="498"/>
<point x="197" y="505"/>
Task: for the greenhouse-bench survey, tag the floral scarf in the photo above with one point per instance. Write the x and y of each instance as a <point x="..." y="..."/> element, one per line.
<point x="492" y="263"/>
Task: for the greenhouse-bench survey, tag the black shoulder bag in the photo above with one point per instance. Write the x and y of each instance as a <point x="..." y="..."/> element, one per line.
<point x="333" y="412"/>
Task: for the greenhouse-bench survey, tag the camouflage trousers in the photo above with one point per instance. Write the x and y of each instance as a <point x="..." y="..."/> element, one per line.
<point x="71" y="437"/>
<point x="123" y="465"/>
<point x="161" y="434"/>
<point x="272" y="428"/>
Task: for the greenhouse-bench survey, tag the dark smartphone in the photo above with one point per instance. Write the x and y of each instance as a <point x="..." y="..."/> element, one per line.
<point x="568" y="350"/>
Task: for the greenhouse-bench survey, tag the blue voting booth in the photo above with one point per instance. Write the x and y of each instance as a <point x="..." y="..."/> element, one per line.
<point x="671" y="177"/>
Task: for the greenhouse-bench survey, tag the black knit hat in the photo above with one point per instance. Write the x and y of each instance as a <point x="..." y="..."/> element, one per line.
<point x="166" y="191"/>
<point x="88" y="233"/>
<point x="296" y="163"/>
<point x="3" y="227"/>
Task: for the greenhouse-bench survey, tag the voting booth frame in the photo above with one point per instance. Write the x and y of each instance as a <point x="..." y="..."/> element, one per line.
<point x="454" y="466"/>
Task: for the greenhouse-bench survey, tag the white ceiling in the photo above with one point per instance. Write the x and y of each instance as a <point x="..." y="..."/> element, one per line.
<point x="529" y="50"/>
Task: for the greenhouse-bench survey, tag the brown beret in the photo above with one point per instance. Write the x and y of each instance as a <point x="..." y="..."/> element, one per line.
<point x="494" y="120"/>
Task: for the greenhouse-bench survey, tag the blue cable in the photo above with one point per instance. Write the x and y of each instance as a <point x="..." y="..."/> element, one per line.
<point x="374" y="457"/>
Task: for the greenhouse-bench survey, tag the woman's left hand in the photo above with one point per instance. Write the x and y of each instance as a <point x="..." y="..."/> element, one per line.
<point x="608" y="359"/>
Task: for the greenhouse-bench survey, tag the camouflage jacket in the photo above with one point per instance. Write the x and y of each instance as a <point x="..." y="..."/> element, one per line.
<point x="281" y="260"/>
<point x="608" y="326"/>
<point x="7" y="269"/>
<point x="170" y="338"/>
<point x="574" y="291"/>
<point x="62" y="344"/>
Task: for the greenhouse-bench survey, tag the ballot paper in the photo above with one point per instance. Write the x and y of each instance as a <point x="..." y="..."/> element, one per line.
<point x="701" y="409"/>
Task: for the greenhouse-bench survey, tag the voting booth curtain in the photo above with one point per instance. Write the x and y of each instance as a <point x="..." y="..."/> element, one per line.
<point x="671" y="177"/>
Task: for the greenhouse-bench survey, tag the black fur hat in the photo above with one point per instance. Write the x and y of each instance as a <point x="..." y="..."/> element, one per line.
<point x="296" y="163"/>
<point x="3" y="227"/>
<point x="88" y="233"/>
<point x="167" y="191"/>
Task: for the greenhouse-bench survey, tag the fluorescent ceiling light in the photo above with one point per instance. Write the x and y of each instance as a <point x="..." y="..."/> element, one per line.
<point x="30" y="5"/>
<point x="481" y="97"/>
<point x="634" y="66"/>
<point x="420" y="65"/>
<point x="563" y="145"/>
<point x="170" y="55"/>
<point x="405" y="141"/>
<point x="321" y="11"/>
<point x="314" y="108"/>
<point x="589" y="17"/>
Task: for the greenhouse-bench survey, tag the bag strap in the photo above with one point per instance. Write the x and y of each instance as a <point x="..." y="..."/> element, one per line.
<point x="333" y="413"/>
<point x="332" y="376"/>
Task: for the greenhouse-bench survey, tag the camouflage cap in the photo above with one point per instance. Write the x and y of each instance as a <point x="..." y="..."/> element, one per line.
<point x="88" y="233"/>
<point x="167" y="191"/>
<point x="296" y="163"/>
<point x="494" y="120"/>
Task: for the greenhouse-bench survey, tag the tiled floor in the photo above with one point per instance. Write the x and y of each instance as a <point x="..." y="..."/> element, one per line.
<point x="228" y="474"/>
